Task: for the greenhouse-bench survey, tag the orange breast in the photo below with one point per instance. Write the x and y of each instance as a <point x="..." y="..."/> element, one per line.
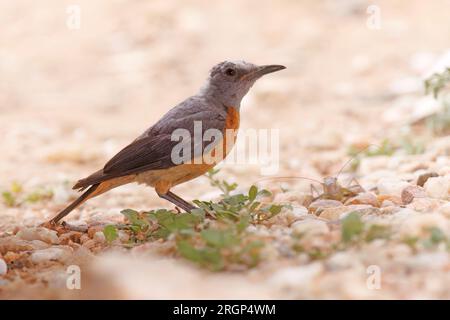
<point x="232" y="120"/>
<point x="229" y="133"/>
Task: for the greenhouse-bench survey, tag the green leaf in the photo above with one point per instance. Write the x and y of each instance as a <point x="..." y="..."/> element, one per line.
<point x="188" y="251"/>
<point x="436" y="235"/>
<point x="33" y="197"/>
<point x="110" y="232"/>
<point x="170" y="222"/>
<point x="243" y="223"/>
<point x="377" y="231"/>
<point x="352" y="226"/>
<point x="133" y="217"/>
<point x="254" y="206"/>
<point x="237" y="199"/>
<point x="8" y="198"/>
<point x="252" y="193"/>
<point x="219" y="238"/>
<point x="16" y="187"/>
<point x="264" y="193"/>
<point x="208" y="257"/>
<point x="275" y="209"/>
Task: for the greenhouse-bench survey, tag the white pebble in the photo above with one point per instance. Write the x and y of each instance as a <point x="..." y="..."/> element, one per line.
<point x="310" y="227"/>
<point x="50" y="254"/>
<point x="438" y="187"/>
<point x="99" y="237"/>
<point x="39" y="233"/>
<point x="296" y="277"/>
<point x="391" y="186"/>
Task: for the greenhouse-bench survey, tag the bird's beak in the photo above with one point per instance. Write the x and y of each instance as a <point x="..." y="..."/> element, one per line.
<point x="262" y="70"/>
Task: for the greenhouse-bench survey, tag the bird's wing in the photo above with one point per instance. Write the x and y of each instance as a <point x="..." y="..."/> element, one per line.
<point x="153" y="149"/>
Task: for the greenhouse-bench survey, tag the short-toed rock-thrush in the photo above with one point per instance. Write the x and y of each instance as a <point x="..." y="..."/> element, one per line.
<point x="151" y="160"/>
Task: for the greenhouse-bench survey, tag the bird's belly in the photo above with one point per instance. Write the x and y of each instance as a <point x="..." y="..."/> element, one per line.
<point x="162" y="180"/>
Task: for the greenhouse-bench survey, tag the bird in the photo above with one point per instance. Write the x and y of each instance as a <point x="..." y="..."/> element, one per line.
<point x="160" y="158"/>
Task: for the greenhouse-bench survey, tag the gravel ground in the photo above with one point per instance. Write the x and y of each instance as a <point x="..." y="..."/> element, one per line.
<point x="70" y="99"/>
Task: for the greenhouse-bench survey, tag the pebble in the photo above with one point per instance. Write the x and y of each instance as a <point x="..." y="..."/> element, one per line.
<point x="287" y="216"/>
<point x="317" y="206"/>
<point x="411" y="192"/>
<point x="340" y="212"/>
<point x="294" y="198"/>
<point x="39" y="233"/>
<point x="392" y="199"/>
<point x="364" y="198"/>
<point x="445" y="210"/>
<point x="93" y="230"/>
<point x="38" y="244"/>
<point x="438" y="187"/>
<point x="391" y="186"/>
<point x="84" y="238"/>
<point x="387" y="204"/>
<point x="340" y="260"/>
<point x="422" y="179"/>
<point x="3" y="267"/>
<point x="124" y="237"/>
<point x="310" y="227"/>
<point x="89" y="244"/>
<point x="417" y="225"/>
<point x="99" y="236"/>
<point x="61" y="194"/>
<point x="425" y="204"/>
<point x="297" y="277"/>
<point x="73" y="236"/>
<point x="369" y="165"/>
<point x="429" y="261"/>
<point x="14" y="243"/>
<point x="404" y="213"/>
<point x="61" y="254"/>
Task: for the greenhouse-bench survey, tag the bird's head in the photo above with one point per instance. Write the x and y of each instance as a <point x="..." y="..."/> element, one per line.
<point x="229" y="81"/>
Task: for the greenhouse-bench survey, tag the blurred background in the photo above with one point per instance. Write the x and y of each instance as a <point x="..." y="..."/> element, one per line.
<point x="82" y="88"/>
<point x="80" y="79"/>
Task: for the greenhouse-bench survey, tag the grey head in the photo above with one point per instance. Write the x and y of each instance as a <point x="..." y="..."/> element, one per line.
<point x="229" y="81"/>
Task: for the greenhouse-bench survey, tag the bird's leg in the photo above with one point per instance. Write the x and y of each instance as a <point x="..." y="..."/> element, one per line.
<point x="176" y="200"/>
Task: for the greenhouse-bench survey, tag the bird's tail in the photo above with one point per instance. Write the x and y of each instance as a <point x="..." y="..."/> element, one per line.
<point x="86" y="195"/>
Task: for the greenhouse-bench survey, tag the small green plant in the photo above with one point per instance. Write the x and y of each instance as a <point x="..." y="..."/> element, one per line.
<point x="8" y="198"/>
<point x="386" y="148"/>
<point x="110" y="232"/>
<point x="411" y="242"/>
<point x="408" y="144"/>
<point x="352" y="227"/>
<point x="218" y="243"/>
<point x="435" y="237"/>
<point x="39" y="195"/>
<point x="353" y="230"/>
<point x="16" y="196"/>
<point x="223" y="185"/>
<point x="376" y="231"/>
<point x="411" y="145"/>
<point x="437" y="82"/>
<point x="439" y="123"/>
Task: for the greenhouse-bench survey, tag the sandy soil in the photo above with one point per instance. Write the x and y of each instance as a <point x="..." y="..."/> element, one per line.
<point x="70" y="99"/>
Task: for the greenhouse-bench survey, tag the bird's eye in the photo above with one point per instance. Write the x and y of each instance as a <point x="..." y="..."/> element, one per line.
<point x="230" y="72"/>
